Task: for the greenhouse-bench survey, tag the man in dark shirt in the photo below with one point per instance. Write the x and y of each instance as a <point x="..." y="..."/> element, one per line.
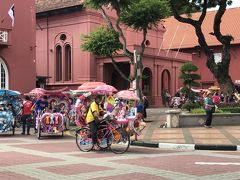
<point x="39" y="106"/>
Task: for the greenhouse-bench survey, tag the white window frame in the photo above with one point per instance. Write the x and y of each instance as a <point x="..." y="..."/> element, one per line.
<point x="6" y="74"/>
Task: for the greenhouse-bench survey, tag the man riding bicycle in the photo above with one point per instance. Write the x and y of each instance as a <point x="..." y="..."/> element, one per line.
<point x="93" y="117"/>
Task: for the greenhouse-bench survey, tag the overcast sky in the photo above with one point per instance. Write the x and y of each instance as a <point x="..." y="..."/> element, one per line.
<point x="236" y="3"/>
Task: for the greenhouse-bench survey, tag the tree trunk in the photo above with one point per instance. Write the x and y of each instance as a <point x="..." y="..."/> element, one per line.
<point x="219" y="70"/>
<point x="221" y="73"/>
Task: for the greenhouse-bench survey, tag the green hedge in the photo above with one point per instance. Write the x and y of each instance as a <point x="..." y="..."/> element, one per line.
<point x="228" y="105"/>
<point x="220" y="110"/>
<point x="189" y="106"/>
<point x="202" y="111"/>
<point x="231" y="109"/>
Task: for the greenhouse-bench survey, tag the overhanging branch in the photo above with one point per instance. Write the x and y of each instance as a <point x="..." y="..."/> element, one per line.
<point x="118" y="70"/>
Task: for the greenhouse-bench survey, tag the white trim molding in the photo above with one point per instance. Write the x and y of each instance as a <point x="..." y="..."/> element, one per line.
<point x="3" y="67"/>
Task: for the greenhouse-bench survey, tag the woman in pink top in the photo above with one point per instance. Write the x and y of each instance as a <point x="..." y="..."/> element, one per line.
<point x="216" y="98"/>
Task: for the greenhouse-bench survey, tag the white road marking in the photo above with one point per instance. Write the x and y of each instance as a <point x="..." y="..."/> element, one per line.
<point x="216" y="163"/>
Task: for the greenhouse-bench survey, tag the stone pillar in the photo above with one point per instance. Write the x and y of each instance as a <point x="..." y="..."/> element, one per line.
<point x="132" y="73"/>
<point x="173" y="118"/>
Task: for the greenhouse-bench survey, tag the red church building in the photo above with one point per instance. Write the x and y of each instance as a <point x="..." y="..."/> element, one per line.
<point x="17" y="45"/>
<point x="62" y="63"/>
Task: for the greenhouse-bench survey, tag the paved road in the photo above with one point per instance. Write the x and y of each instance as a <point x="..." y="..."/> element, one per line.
<point x="218" y="135"/>
<point x="25" y="157"/>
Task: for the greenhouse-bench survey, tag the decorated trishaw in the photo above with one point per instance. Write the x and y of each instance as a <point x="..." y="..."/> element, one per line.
<point x="118" y="124"/>
<point x="126" y="112"/>
<point x="51" y="120"/>
<point x="73" y="96"/>
<point x="10" y="106"/>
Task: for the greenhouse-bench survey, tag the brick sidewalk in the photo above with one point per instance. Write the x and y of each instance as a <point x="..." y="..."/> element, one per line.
<point x="225" y="135"/>
<point x="25" y="157"/>
<point x="218" y="135"/>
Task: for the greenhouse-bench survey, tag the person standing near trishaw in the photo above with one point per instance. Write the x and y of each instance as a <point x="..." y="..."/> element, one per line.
<point x="26" y="115"/>
<point x="39" y="106"/>
<point x="145" y="106"/>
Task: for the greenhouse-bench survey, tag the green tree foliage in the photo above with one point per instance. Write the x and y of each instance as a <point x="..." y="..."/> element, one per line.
<point x="145" y="14"/>
<point x="102" y="42"/>
<point x="189" y="78"/>
<point x="220" y="70"/>
<point x="141" y="15"/>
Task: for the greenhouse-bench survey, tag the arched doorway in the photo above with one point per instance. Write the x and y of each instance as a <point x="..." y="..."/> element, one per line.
<point x="147" y="82"/>
<point x="165" y="81"/>
<point x="115" y="78"/>
<point x="4" y="76"/>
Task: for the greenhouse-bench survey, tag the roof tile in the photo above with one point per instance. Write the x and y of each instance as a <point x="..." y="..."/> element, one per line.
<point x="48" y="5"/>
<point x="183" y="35"/>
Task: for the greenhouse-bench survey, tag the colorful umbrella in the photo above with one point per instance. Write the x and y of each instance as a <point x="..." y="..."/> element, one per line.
<point x="88" y="95"/>
<point x="36" y="91"/>
<point x="105" y="89"/>
<point x="89" y="86"/>
<point x="4" y="92"/>
<point x="127" y="94"/>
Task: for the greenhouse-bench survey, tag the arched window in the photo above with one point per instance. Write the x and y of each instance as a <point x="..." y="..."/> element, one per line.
<point x="58" y="63"/>
<point x="3" y="75"/>
<point x="166" y="80"/>
<point x="147" y="81"/>
<point x="68" y="63"/>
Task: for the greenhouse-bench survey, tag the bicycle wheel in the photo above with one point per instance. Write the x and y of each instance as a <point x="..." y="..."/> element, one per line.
<point x="103" y="142"/>
<point x="84" y="139"/>
<point x="119" y="140"/>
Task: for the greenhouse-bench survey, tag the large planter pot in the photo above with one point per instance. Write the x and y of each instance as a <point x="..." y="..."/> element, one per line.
<point x="173" y="118"/>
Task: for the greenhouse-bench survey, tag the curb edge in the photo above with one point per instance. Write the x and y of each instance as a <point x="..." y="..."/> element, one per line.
<point x="176" y="146"/>
<point x="216" y="147"/>
<point x="187" y="146"/>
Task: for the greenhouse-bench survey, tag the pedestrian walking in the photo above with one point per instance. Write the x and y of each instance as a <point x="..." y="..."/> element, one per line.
<point x="166" y="98"/>
<point x="145" y="106"/>
<point x="26" y="115"/>
<point x="209" y="109"/>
